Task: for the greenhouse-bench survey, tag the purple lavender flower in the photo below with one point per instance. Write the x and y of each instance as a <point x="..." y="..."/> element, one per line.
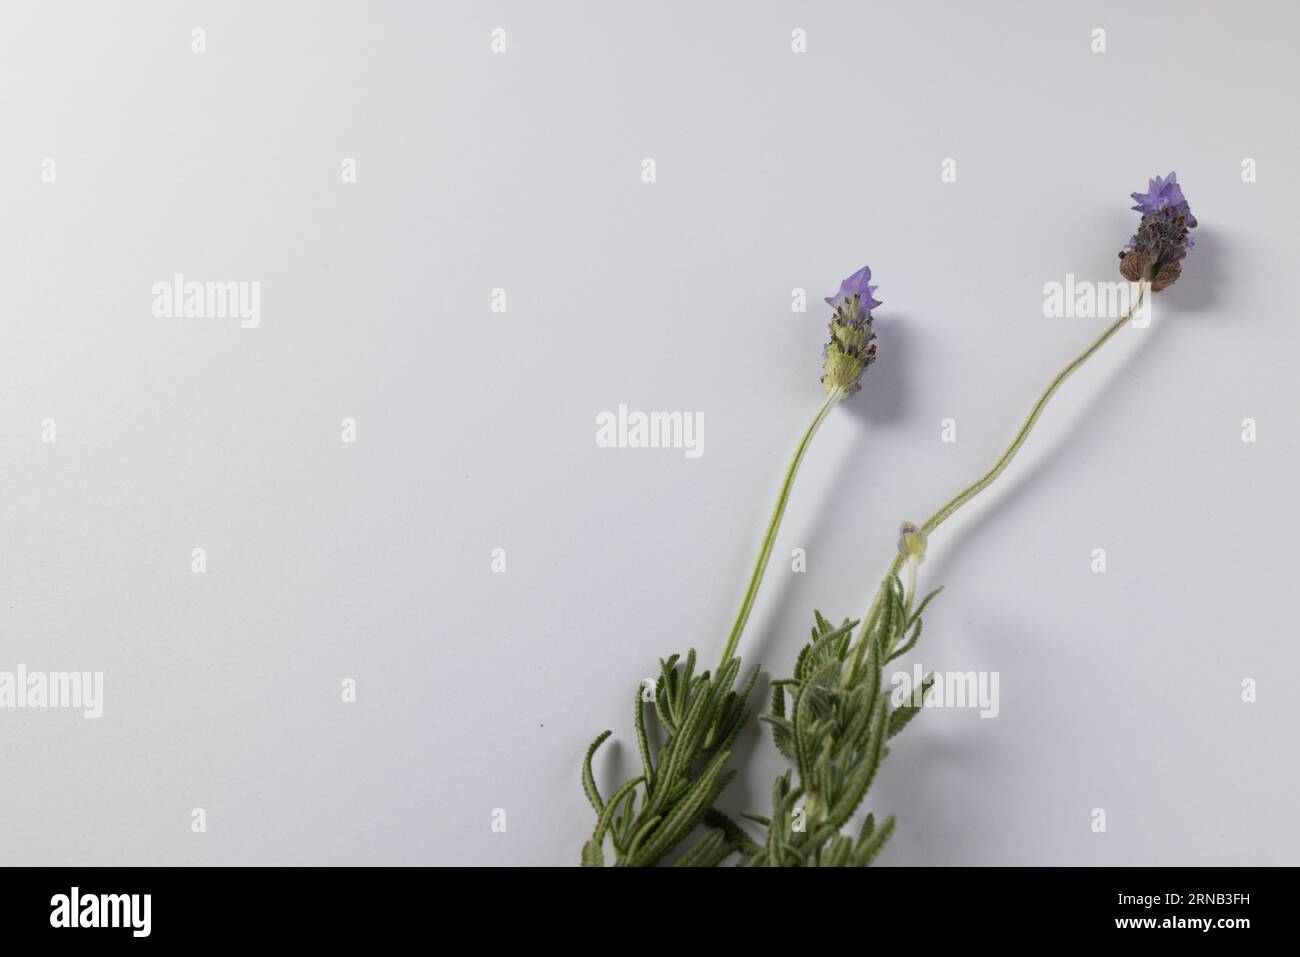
<point x="1163" y="192"/>
<point x="852" y="346"/>
<point x="855" y="285"/>
<point x="1156" y="251"/>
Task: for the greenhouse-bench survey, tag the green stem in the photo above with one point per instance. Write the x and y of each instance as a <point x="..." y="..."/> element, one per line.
<point x="765" y="551"/>
<point x="987" y="479"/>
<point x="911" y="586"/>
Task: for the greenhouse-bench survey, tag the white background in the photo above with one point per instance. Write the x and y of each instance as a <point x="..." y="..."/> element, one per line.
<point x="522" y="170"/>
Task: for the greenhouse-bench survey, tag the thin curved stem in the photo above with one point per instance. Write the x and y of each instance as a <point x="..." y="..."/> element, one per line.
<point x="765" y="551"/>
<point x="987" y="479"/>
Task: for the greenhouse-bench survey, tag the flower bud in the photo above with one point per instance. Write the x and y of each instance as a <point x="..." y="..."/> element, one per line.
<point x="911" y="542"/>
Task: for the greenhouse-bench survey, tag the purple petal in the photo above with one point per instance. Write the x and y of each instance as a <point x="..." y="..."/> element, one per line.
<point x="859" y="284"/>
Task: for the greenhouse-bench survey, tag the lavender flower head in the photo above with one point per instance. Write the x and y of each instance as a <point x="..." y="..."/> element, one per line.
<point x="1156" y="251"/>
<point x="852" y="346"/>
<point x="1164" y="193"/>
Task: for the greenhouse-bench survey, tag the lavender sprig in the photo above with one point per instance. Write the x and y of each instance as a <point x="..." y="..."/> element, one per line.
<point x="840" y="716"/>
<point x="849" y="351"/>
<point x="647" y="817"/>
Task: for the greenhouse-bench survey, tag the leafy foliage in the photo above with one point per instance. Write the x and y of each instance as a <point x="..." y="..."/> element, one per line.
<point x="832" y="720"/>
<point x="648" y="816"/>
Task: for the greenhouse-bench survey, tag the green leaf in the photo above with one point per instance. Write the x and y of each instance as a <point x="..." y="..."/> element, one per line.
<point x="736" y="835"/>
<point x="899" y="719"/>
<point x="607" y="816"/>
<point x="664" y="692"/>
<point x="686" y="813"/>
<point x="643" y="743"/>
<point x="868" y="826"/>
<point x="592" y="855"/>
<point x="621" y="832"/>
<point x="588" y="779"/>
<point x="867" y="851"/>
<point x="782" y="735"/>
<point x="924" y="601"/>
<point x="836" y="853"/>
<point x="801" y="663"/>
<point x="684" y="684"/>
<point x="778" y="698"/>
<point x="704" y="852"/>
<point x="860" y="777"/>
<point x="642" y="833"/>
<point x="683" y="750"/>
<point x="802" y="740"/>
<point x="908" y="645"/>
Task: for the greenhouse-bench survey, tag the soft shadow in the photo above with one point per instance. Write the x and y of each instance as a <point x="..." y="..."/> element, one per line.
<point x="1198" y="287"/>
<point x="883" y="397"/>
<point x="1005" y="493"/>
<point x="848" y="478"/>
